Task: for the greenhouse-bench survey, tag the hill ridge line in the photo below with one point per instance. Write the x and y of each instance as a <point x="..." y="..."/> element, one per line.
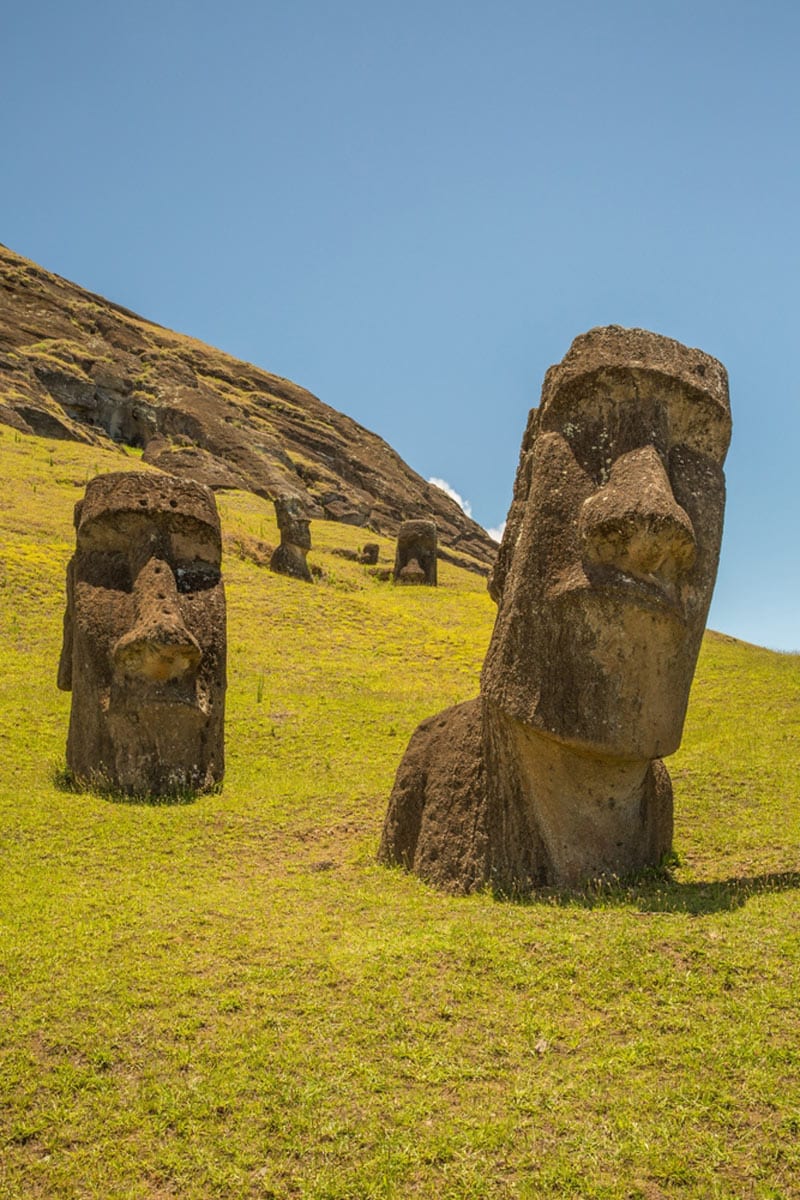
<point x="75" y="365"/>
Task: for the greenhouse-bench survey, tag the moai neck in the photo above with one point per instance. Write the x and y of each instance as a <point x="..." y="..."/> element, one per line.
<point x="596" y="815"/>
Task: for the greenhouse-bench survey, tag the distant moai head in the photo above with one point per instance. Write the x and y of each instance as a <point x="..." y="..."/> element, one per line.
<point x="295" y="528"/>
<point x="293" y="523"/>
<point x="415" y="557"/>
<point x="369" y="553"/>
<point x="144" y="636"/>
<point x="604" y="576"/>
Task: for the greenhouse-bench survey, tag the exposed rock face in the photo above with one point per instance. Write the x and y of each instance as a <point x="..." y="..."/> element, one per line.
<point x="603" y="582"/>
<point x="415" y="557"/>
<point x="144" y="636"/>
<point x="73" y="365"/>
<point x="290" y="557"/>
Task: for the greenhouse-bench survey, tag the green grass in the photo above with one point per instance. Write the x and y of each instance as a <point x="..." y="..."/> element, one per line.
<point x="229" y="998"/>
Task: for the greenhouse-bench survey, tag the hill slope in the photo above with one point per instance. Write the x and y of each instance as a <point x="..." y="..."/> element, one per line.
<point x="230" y="1000"/>
<point x="76" y="366"/>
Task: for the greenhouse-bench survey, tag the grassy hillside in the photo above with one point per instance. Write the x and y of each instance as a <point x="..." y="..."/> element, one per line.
<point x="230" y="999"/>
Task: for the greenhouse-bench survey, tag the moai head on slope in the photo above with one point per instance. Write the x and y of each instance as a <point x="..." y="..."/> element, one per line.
<point x="295" y="529"/>
<point x="415" y="556"/>
<point x="604" y="576"/>
<point x="144" y="636"/>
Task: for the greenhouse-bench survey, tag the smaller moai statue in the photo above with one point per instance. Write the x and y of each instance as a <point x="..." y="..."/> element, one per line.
<point x="415" y="557"/>
<point x="369" y="554"/>
<point x="290" y="556"/>
<point x="144" y="636"/>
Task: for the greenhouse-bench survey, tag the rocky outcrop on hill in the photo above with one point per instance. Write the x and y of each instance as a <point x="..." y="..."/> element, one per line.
<point x="74" y="365"/>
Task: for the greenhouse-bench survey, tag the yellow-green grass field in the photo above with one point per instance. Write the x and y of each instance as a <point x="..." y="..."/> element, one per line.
<point x="229" y="998"/>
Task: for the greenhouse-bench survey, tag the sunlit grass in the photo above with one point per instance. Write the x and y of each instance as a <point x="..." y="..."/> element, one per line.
<point x="229" y="998"/>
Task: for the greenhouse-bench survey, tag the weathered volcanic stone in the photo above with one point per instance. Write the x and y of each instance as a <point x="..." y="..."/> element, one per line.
<point x="290" y="556"/>
<point x="603" y="581"/>
<point x="144" y="636"/>
<point x="415" y="556"/>
<point x="369" y="553"/>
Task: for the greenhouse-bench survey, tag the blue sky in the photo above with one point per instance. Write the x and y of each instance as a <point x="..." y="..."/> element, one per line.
<point x="412" y="210"/>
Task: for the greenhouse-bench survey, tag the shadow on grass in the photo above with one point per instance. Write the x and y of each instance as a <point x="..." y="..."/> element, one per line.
<point x="65" y="781"/>
<point x="658" y="891"/>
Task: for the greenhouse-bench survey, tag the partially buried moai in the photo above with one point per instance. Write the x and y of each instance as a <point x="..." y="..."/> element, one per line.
<point x="603" y="582"/>
<point x="144" y="636"/>
<point x="295" y="529"/>
<point x="415" y="556"/>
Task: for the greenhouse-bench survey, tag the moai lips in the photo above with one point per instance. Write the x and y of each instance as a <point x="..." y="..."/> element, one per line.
<point x="144" y="636"/>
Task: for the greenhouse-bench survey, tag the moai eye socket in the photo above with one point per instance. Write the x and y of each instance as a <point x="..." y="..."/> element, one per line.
<point x="196" y="577"/>
<point x="105" y="569"/>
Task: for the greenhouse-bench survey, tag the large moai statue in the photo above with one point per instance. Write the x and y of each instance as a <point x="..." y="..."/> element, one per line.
<point x="415" y="556"/>
<point x="603" y="582"/>
<point x="290" y="557"/>
<point x="144" y="636"/>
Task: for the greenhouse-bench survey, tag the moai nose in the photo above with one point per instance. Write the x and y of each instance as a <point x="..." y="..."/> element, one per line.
<point x="635" y="523"/>
<point x="159" y="647"/>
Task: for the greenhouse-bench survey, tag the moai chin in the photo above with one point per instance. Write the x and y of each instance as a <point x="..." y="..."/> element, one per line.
<point x="144" y="636"/>
<point x="603" y="582"/>
<point x="415" y="556"/>
<point x="295" y="527"/>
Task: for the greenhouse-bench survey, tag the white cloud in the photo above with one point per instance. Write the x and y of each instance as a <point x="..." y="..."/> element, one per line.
<point x="453" y="494"/>
<point x="495" y="533"/>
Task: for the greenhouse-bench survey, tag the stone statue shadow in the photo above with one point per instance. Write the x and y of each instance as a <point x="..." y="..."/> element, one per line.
<point x="65" y="781"/>
<point x="658" y="892"/>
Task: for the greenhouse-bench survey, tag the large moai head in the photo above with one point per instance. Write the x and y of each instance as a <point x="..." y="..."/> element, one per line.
<point x="605" y="572"/>
<point x="415" y="556"/>
<point x="144" y="636"/>
<point x="295" y="529"/>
